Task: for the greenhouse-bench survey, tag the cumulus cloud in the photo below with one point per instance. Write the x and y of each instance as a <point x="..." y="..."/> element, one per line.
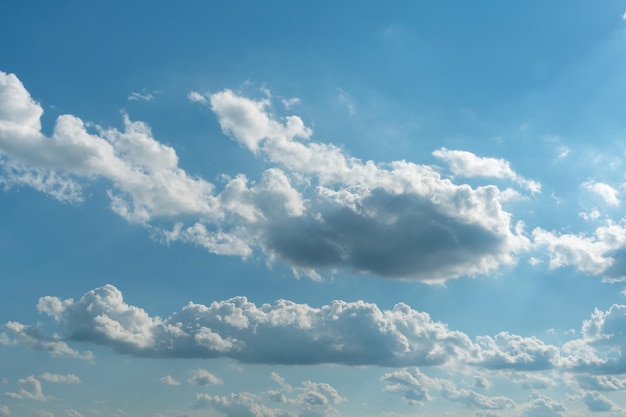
<point x="472" y="399"/>
<point x="542" y="406"/>
<point x="592" y="254"/>
<point x="60" y="379"/>
<point x="140" y="96"/>
<point x="168" y="380"/>
<point x="597" y="402"/>
<point x="30" y="389"/>
<point x="507" y="351"/>
<point x="311" y="399"/>
<point x="203" y="377"/>
<point x="466" y="164"/>
<point x="4" y="410"/>
<point x="600" y="348"/>
<point x="605" y="191"/>
<point x="33" y="337"/>
<point x="315" y="207"/>
<point x="601" y="382"/>
<point x="411" y="384"/>
<point x="342" y="332"/>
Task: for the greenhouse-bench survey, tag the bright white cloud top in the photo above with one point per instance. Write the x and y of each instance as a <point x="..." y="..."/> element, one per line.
<point x="302" y="210"/>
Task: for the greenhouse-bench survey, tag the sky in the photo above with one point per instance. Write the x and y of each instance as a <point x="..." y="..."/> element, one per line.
<point x="292" y="209"/>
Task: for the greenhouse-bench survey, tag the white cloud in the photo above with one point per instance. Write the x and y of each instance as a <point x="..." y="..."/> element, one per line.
<point x="5" y="410"/>
<point x="507" y="351"/>
<point x="60" y="379"/>
<point x="196" y="97"/>
<point x="140" y="96"/>
<point x="168" y="380"/>
<point x="589" y="254"/>
<point x="472" y="399"/>
<point x="203" y="377"/>
<point x="30" y="389"/>
<point x="33" y="337"/>
<point x="605" y="191"/>
<point x="541" y="406"/>
<point x="533" y="381"/>
<point x="315" y="208"/>
<point x="73" y="413"/>
<point x="412" y="384"/>
<point x="467" y="164"/>
<point x="285" y="332"/>
<point x="598" y="402"/>
<point x="601" y="382"/>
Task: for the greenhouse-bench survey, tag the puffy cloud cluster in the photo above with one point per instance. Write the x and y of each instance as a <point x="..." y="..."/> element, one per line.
<point x="351" y="333"/>
<point x="311" y="399"/>
<point x="415" y="388"/>
<point x="30" y="389"/>
<point x="315" y="208"/>
<point x="285" y="332"/>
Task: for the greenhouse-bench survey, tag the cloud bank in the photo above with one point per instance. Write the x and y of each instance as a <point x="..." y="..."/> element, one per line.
<point x="314" y="208"/>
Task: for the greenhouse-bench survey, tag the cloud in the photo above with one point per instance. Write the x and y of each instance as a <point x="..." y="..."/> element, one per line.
<point x="600" y="348"/>
<point x="605" y="191"/>
<point x="355" y="205"/>
<point x="315" y="208"/>
<point x="412" y="384"/>
<point x="60" y="379"/>
<point x="467" y="164"/>
<point x="541" y="406"/>
<point x="592" y="255"/>
<point x="532" y="381"/>
<point x="311" y="399"/>
<point x="203" y="377"/>
<point x="4" y="410"/>
<point x="601" y="382"/>
<point x="355" y="333"/>
<point x="168" y="380"/>
<point x="33" y="337"/>
<point x="73" y="413"/>
<point x="507" y="351"/>
<point x="598" y="402"/>
<point x="140" y="96"/>
<point x="472" y="399"/>
<point x="30" y="389"/>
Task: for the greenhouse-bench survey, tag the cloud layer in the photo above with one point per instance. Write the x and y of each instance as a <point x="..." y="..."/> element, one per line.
<point x="315" y="208"/>
<point x="349" y="333"/>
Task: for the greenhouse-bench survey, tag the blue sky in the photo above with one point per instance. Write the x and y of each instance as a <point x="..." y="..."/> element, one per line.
<point x="281" y="209"/>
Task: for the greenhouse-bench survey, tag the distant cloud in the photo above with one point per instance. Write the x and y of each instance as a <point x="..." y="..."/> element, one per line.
<point x="60" y="379"/>
<point x="168" y="380"/>
<point x="310" y="399"/>
<point x="597" y="402"/>
<point x="288" y="103"/>
<point x="541" y="406"/>
<point x="196" y="97"/>
<point x="591" y="254"/>
<point x="30" y="389"/>
<point x="464" y="163"/>
<point x="5" y="410"/>
<point x="140" y="96"/>
<point x="203" y="377"/>
<point x="605" y="191"/>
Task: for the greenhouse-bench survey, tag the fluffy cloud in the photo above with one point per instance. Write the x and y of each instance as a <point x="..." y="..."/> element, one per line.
<point x="60" y="379"/>
<point x="541" y="406"/>
<point x="472" y="399"/>
<point x="600" y="348"/>
<point x="33" y="337"/>
<point x="203" y="377"/>
<point x="168" y="380"/>
<point x="315" y="208"/>
<point x="30" y="389"/>
<point x="467" y="164"/>
<point x="591" y="254"/>
<point x="605" y="191"/>
<point x="350" y="333"/>
<point x="412" y="384"/>
<point x="507" y="351"/>
<point x="598" y="402"/>
<point x="343" y="332"/>
<point x="4" y="410"/>
<point x="311" y="399"/>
